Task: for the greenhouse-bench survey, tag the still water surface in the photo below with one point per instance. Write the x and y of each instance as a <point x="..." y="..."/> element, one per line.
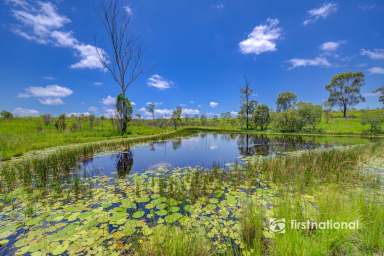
<point x="203" y="149"/>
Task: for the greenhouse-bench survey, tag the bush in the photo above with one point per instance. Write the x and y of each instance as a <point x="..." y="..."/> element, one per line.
<point x="374" y="120"/>
<point x="261" y="117"/>
<point x="6" y="115"/>
<point x="310" y="114"/>
<point x="60" y="123"/>
<point x="289" y="121"/>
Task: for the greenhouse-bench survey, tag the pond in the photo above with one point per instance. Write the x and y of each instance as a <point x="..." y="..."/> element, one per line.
<point x="124" y="198"/>
<point x="204" y="150"/>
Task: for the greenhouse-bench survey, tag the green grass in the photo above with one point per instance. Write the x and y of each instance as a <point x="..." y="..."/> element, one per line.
<point x="21" y="135"/>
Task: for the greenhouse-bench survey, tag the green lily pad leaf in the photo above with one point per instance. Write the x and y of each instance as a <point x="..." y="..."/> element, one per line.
<point x="213" y="201"/>
<point x="143" y="199"/>
<point x="161" y="212"/>
<point x="4" y="242"/>
<point x="173" y="217"/>
<point x="126" y="203"/>
<point x="60" y="249"/>
<point x="149" y="206"/>
<point x="138" y="214"/>
<point x="174" y="209"/>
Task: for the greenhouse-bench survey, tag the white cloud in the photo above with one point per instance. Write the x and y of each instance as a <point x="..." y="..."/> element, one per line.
<point x="49" y="77"/>
<point x="213" y="104"/>
<point x="98" y="83"/>
<point x="78" y="114"/>
<point x="371" y="94"/>
<point x="376" y="70"/>
<point x="108" y="101"/>
<point x="322" y="12"/>
<point x="318" y="61"/>
<point x="262" y="39"/>
<point x="93" y="109"/>
<point x="48" y="95"/>
<point x="159" y="82"/>
<point x="128" y="10"/>
<point x="190" y="112"/>
<point x="51" y="101"/>
<point x="234" y="113"/>
<point x="43" y="24"/>
<point x="53" y="90"/>
<point x="330" y="46"/>
<point x="109" y="112"/>
<point x="218" y="6"/>
<point x="25" y="112"/>
<point x="376" y="54"/>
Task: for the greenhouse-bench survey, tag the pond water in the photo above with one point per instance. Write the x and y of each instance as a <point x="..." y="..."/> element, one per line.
<point x="203" y="149"/>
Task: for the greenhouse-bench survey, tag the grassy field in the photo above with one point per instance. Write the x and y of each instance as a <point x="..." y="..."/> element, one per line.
<point x="21" y="135"/>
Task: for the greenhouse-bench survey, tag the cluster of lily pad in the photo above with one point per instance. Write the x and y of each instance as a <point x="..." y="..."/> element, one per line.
<point x="116" y="215"/>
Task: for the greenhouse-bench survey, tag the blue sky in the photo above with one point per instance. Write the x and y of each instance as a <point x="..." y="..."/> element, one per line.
<point x="196" y="53"/>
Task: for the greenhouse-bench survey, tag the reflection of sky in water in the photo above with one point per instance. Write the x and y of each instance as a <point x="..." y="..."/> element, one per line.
<point x="200" y="150"/>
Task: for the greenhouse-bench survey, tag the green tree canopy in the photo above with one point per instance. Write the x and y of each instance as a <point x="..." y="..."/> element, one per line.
<point x="286" y="101"/>
<point x="310" y="113"/>
<point x="6" y="114"/>
<point x="151" y="109"/>
<point x="124" y="111"/>
<point x="345" y="90"/>
<point x="380" y="91"/>
<point x="261" y="116"/>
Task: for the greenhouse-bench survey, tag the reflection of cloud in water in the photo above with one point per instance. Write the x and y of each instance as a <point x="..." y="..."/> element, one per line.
<point x="213" y="147"/>
<point x="160" y="165"/>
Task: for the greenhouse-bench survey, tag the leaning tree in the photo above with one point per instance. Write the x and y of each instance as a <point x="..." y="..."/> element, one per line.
<point x="345" y="90"/>
<point x="125" y="54"/>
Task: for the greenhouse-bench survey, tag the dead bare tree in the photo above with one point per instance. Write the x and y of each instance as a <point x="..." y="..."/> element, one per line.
<point x="125" y="54"/>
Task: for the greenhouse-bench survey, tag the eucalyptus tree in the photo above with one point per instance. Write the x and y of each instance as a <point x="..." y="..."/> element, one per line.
<point x="124" y="63"/>
<point x="286" y="101"/>
<point x="380" y="91"/>
<point x="247" y="104"/>
<point x="261" y="116"/>
<point x="345" y="90"/>
<point x="176" y="116"/>
<point x="151" y="107"/>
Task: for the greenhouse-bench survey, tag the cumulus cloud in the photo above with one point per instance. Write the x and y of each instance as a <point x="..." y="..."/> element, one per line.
<point x="128" y="10"/>
<point x="108" y="101"/>
<point x="376" y="70"/>
<point x="190" y="112"/>
<point x="318" y="61"/>
<point x="51" y="101"/>
<point x="159" y="82"/>
<point x="262" y="38"/>
<point x="376" y="54"/>
<point x="40" y="22"/>
<point x="213" y="104"/>
<point x="109" y="112"/>
<point x="93" y="109"/>
<point x="321" y="12"/>
<point x="330" y="46"/>
<point x="25" y="112"/>
<point x="48" y="95"/>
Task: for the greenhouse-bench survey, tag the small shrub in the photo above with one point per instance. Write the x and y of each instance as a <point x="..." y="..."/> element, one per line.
<point x="289" y="121"/>
<point x="374" y="120"/>
<point x="310" y="114"/>
<point x="60" y="123"/>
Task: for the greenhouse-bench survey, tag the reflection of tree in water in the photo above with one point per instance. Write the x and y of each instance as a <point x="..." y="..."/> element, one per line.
<point x="253" y="145"/>
<point x="124" y="163"/>
<point x="291" y="143"/>
<point x="176" y="143"/>
<point x="151" y="146"/>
